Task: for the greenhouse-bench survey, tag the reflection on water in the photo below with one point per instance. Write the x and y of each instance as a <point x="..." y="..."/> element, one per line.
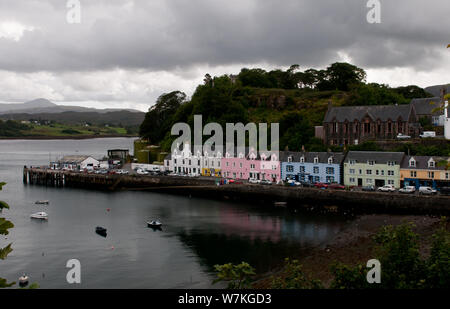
<point x="196" y="235"/>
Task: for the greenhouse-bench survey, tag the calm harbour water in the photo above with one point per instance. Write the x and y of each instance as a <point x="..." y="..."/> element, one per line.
<point x="198" y="233"/>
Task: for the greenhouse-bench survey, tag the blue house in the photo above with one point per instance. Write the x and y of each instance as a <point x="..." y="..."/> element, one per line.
<point x="312" y="167"/>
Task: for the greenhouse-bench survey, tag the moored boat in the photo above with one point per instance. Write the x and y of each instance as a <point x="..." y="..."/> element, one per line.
<point x="23" y="281"/>
<point x="40" y="215"/>
<point x="44" y="202"/>
<point x="154" y="224"/>
<point x="101" y="231"/>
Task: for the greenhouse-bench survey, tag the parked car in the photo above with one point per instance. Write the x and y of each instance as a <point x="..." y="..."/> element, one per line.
<point x="141" y="172"/>
<point x="407" y="190"/>
<point x="445" y="190"/>
<point x="306" y="184"/>
<point x="426" y="134"/>
<point x="121" y="172"/>
<point x="293" y="182"/>
<point x="266" y="182"/>
<point x="427" y="191"/>
<point x="253" y="180"/>
<point x="336" y="186"/>
<point x="368" y="188"/>
<point x="387" y="188"/>
<point x="402" y="136"/>
<point x="321" y="185"/>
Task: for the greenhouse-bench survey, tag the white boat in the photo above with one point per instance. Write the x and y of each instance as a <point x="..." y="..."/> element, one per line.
<point x="45" y="202"/>
<point x="23" y="281"/>
<point x="154" y="223"/>
<point x="40" y="215"/>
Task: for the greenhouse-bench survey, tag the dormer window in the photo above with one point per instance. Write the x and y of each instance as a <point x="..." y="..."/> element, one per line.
<point x="412" y="163"/>
<point x="330" y="160"/>
<point x="371" y="162"/>
<point x="302" y="160"/>
<point x="316" y="160"/>
<point x="290" y="159"/>
<point x="352" y="162"/>
<point x="431" y="163"/>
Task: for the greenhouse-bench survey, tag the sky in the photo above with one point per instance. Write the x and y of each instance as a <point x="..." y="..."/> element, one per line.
<point x="126" y="53"/>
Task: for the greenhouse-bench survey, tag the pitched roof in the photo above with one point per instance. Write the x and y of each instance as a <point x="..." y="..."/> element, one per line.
<point x="382" y="112"/>
<point x="422" y="162"/>
<point x="75" y="159"/>
<point x="338" y="157"/>
<point x="377" y="156"/>
<point x="426" y="105"/>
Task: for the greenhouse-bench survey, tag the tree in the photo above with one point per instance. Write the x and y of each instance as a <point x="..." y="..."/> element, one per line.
<point x="341" y="76"/>
<point x="293" y="277"/>
<point x="5" y="225"/>
<point x="238" y="276"/>
<point x="158" y="120"/>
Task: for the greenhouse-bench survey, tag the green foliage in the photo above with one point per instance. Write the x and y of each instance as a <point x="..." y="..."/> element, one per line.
<point x="366" y="146"/>
<point x="424" y="150"/>
<point x="293" y="277"/>
<point x="401" y="265"/>
<point x="5" y="225"/>
<point x="412" y="92"/>
<point x="374" y="94"/>
<point x="347" y="277"/>
<point x="72" y="131"/>
<point x="295" y="131"/>
<point x="10" y="128"/>
<point x="238" y="276"/>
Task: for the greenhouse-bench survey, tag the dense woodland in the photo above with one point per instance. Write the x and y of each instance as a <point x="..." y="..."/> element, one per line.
<point x="296" y="99"/>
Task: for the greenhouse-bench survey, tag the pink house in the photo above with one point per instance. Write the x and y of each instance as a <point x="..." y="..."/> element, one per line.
<point x="251" y="166"/>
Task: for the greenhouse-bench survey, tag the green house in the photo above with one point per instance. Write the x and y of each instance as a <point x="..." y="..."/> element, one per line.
<point x="371" y="168"/>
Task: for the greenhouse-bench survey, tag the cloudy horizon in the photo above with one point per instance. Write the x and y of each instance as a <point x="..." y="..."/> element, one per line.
<point x="125" y="53"/>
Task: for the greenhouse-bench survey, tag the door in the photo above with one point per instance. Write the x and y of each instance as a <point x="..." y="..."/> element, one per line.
<point x="360" y="182"/>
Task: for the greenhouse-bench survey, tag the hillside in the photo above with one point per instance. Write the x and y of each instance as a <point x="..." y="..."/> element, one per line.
<point x="436" y="90"/>
<point x="296" y="100"/>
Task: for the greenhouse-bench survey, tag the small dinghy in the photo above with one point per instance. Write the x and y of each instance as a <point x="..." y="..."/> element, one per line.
<point x="23" y="281"/>
<point x="100" y="231"/>
<point x="155" y="224"/>
<point x="45" y="202"/>
<point x="39" y="215"/>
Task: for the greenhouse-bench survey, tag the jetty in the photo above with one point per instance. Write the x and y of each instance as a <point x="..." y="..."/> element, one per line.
<point x="310" y="199"/>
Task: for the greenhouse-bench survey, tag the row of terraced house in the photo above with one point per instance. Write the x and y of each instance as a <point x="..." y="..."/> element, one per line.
<point x="354" y="168"/>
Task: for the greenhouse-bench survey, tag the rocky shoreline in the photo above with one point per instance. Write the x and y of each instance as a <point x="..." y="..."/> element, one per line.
<point x="353" y="245"/>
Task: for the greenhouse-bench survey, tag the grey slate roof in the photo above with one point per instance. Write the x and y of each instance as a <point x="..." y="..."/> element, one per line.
<point x="168" y="157"/>
<point x="422" y="162"/>
<point x="426" y="105"/>
<point x="378" y="157"/>
<point x="382" y="112"/>
<point x="338" y="157"/>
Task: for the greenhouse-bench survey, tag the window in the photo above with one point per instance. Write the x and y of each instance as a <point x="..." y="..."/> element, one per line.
<point x="412" y="163"/>
<point x="371" y="162"/>
<point x="391" y="173"/>
<point x="391" y="163"/>
<point x="189" y="162"/>
<point x="330" y="179"/>
<point x="352" y="171"/>
<point x="360" y="172"/>
<point x="352" y="162"/>
<point x="302" y="160"/>
<point x="234" y="164"/>
<point x="382" y="173"/>
<point x="175" y="161"/>
<point x="330" y="170"/>
<point x="377" y="172"/>
<point x="352" y="180"/>
<point x="290" y="159"/>
<point x="431" y="175"/>
<point x="289" y="169"/>
<point x="316" y="179"/>
<point x="252" y="166"/>
<point x="390" y="182"/>
<point x="431" y="163"/>
<point x="369" y="181"/>
<point x="240" y="165"/>
<point x="316" y="160"/>
<point x="369" y="172"/>
<point x="413" y="174"/>
<point x="302" y="169"/>
<point x="316" y="170"/>
<point x="447" y="175"/>
<point x="227" y="164"/>
<point x="198" y="162"/>
<point x="330" y="160"/>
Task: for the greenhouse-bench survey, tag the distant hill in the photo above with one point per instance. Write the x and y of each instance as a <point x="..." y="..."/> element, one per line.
<point x="40" y="106"/>
<point x="436" y="90"/>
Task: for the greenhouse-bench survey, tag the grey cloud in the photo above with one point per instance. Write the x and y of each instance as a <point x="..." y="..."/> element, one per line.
<point x="169" y="34"/>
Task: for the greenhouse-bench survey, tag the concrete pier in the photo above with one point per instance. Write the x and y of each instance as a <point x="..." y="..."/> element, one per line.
<point x="301" y="198"/>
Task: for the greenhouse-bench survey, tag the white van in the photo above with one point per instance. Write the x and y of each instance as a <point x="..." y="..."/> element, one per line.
<point x="427" y="190"/>
<point x="428" y="134"/>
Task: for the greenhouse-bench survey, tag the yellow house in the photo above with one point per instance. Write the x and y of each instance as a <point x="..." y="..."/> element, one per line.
<point x="425" y="171"/>
<point x="211" y="172"/>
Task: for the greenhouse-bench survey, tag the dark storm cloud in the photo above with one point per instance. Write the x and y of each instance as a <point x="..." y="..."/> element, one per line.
<point x="169" y="34"/>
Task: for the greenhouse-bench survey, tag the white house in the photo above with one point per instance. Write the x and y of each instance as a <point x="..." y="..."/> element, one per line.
<point x="78" y="163"/>
<point x="185" y="162"/>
